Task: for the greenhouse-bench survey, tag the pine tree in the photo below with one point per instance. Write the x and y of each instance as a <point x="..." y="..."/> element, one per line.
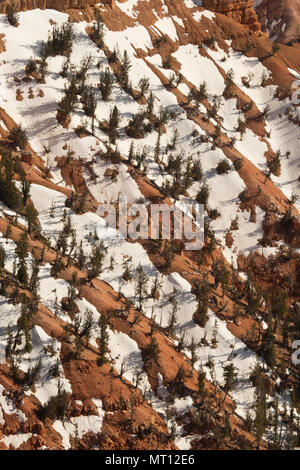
<point x="223" y="167"/>
<point x="60" y="40"/>
<point x="25" y="186"/>
<point x="201" y="291"/>
<point x="150" y="104"/>
<point x="11" y="14"/>
<point x="98" y="29"/>
<point x="141" y="284"/>
<point x="9" y="193"/>
<point x="89" y="102"/>
<point x="152" y="350"/>
<point x="201" y="384"/>
<point x="68" y="102"/>
<point x="81" y="74"/>
<point x="103" y="339"/>
<point x="24" y="323"/>
<point x="34" y="278"/>
<point x="279" y="305"/>
<point x="80" y="256"/>
<point x="193" y="349"/>
<point x="2" y="259"/>
<point x="230" y="377"/>
<point x="203" y="194"/>
<point x="173" y="318"/>
<point x="22" y="275"/>
<point x="56" y="407"/>
<point x="31" y="217"/>
<point x="124" y="71"/>
<point x="143" y="86"/>
<point x="22" y="246"/>
<point x="18" y="137"/>
<point x="106" y="84"/>
<point x="113" y="123"/>
<point x="86" y="329"/>
<point x="260" y="408"/>
<point x="268" y="347"/>
<point x="177" y="385"/>
<point x="96" y="261"/>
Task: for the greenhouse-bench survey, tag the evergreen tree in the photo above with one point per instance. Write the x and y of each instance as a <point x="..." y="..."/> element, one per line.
<point x="268" y="347"/>
<point x="9" y="193"/>
<point x="141" y="284"/>
<point x="150" y="104"/>
<point x="98" y="29"/>
<point x="260" y="408"/>
<point x="34" y="278"/>
<point x="60" y="40"/>
<point x="279" y="305"/>
<point x="31" y="215"/>
<point x="96" y="261"/>
<point x="89" y="102"/>
<point x="18" y="137"/>
<point x="2" y="259"/>
<point x="173" y="318"/>
<point x="113" y="123"/>
<point x="124" y="71"/>
<point x="56" y="407"/>
<point x="11" y="14"/>
<point x="143" y="86"/>
<point x="22" y="275"/>
<point x="81" y="74"/>
<point x="22" y="246"/>
<point x="152" y="350"/>
<point x="177" y="385"/>
<point x="193" y="350"/>
<point x="230" y="377"/>
<point x="223" y="167"/>
<point x="103" y="339"/>
<point x="106" y="83"/>
<point x="203" y="194"/>
<point x="201" y="384"/>
<point x="25" y="186"/>
<point x="68" y="102"/>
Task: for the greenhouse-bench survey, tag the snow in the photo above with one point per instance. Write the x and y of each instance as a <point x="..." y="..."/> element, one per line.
<point x="106" y="190"/>
<point x="128" y="7"/>
<point x="16" y="439"/>
<point x="294" y="73"/>
<point x="9" y="408"/>
<point x="46" y="386"/>
<point x="9" y="316"/>
<point x="80" y="425"/>
<point x="166" y="26"/>
<point x="197" y="15"/>
<point x="38" y="117"/>
<point x="123" y="348"/>
<point x="197" y="69"/>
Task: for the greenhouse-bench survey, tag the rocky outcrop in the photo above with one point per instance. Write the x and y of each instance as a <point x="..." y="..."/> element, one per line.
<point x="239" y="10"/>
<point x="61" y="5"/>
<point x="281" y="19"/>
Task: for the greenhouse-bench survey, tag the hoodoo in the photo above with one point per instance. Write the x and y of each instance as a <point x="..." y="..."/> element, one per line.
<point x="239" y="10"/>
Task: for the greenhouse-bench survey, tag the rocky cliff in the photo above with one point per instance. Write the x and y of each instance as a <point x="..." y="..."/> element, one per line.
<point x="239" y="10"/>
<point x="23" y="5"/>
<point x="281" y="19"/>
